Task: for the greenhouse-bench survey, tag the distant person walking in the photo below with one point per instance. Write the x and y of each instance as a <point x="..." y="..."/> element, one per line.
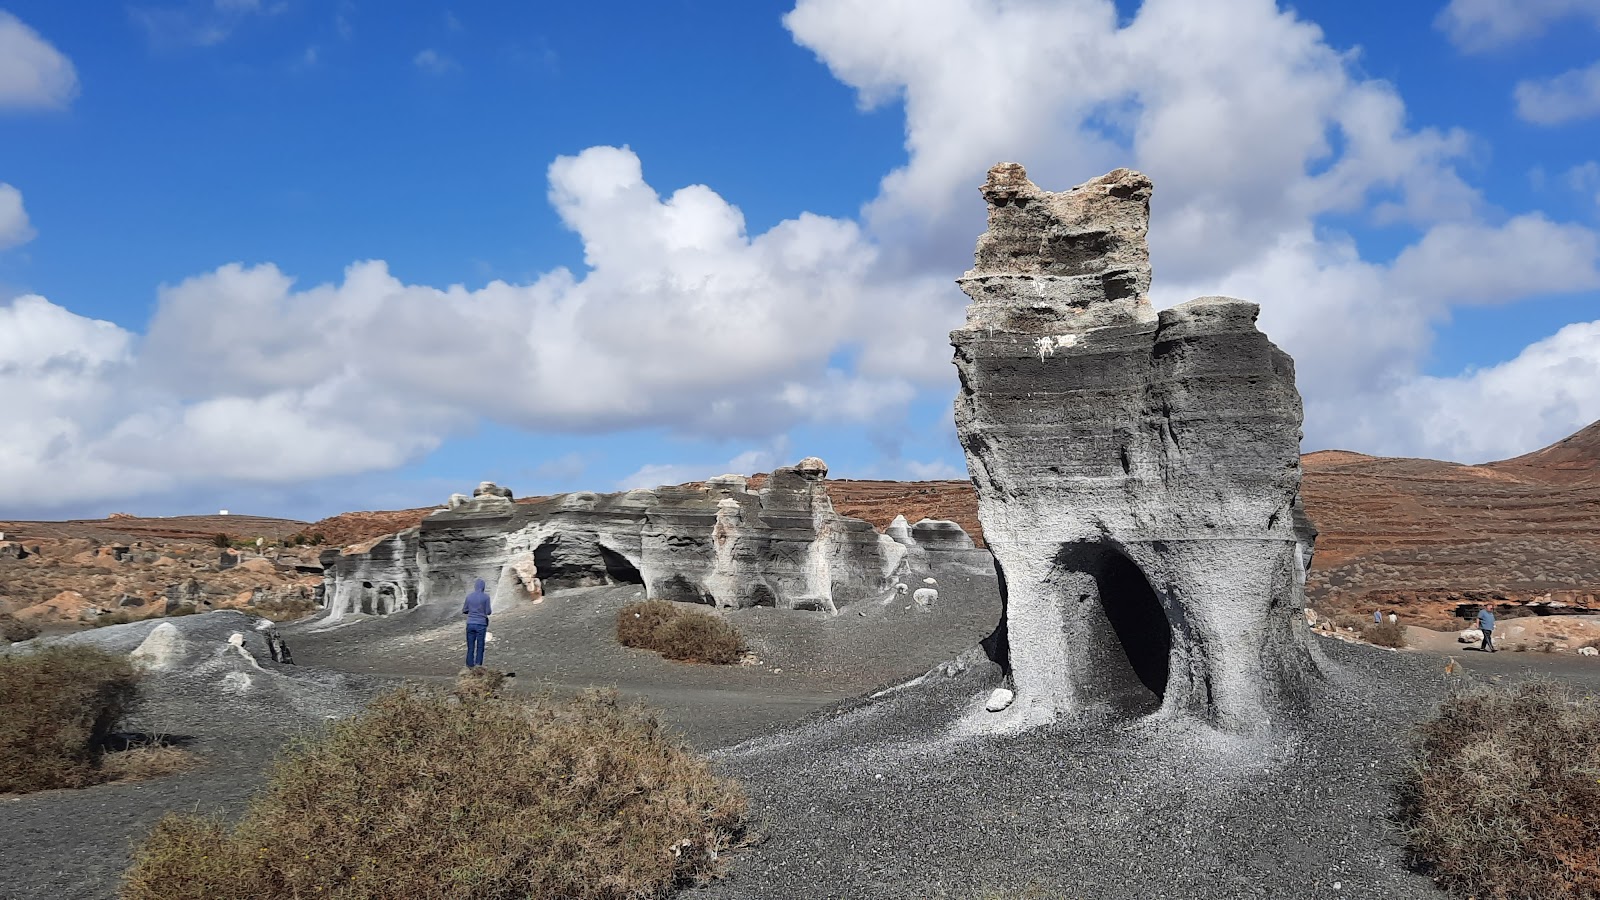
<point x="1486" y="625"/>
<point x="477" y="610"/>
<point x="1377" y="617"/>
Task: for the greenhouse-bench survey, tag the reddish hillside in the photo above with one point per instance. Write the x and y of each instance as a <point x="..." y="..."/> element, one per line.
<point x="1424" y="537"/>
<point x="1574" y="461"/>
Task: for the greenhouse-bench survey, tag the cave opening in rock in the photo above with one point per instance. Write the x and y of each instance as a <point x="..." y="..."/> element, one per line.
<point x="1119" y="625"/>
<point x="566" y="561"/>
<point x="618" y="569"/>
<point x="1140" y="624"/>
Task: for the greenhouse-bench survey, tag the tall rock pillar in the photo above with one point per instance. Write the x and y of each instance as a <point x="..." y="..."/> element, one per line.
<point x="1138" y="473"/>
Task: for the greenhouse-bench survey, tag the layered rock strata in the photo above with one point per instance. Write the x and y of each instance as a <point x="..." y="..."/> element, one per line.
<point x="717" y="543"/>
<point x="1137" y="472"/>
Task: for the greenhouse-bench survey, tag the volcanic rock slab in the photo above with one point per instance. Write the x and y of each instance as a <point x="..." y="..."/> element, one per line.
<point x="717" y="542"/>
<point x="1138" y="473"/>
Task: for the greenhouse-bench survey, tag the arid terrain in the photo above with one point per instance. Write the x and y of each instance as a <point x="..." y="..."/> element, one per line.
<point x="1430" y="541"/>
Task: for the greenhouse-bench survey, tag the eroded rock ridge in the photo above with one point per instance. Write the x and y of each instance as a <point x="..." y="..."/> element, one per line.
<point x="717" y="542"/>
<point x="1138" y="473"/>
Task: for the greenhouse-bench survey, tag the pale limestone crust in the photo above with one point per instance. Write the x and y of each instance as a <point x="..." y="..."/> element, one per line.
<point x="1137" y="473"/>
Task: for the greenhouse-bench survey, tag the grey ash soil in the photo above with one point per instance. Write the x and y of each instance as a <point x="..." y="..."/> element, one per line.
<point x="806" y="661"/>
<point x="1101" y="809"/>
<point x="884" y="798"/>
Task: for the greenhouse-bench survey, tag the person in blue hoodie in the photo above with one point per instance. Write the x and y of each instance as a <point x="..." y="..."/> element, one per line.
<point x="476" y="608"/>
<point x="1486" y="625"/>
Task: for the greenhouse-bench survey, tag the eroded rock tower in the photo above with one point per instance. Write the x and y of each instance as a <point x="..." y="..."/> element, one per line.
<point x="1138" y="473"/>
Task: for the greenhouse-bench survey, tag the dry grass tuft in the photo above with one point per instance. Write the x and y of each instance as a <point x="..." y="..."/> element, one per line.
<point x="151" y="761"/>
<point x="683" y="634"/>
<point x="57" y="706"/>
<point x="1389" y="634"/>
<point x="468" y="796"/>
<point x="1504" y="797"/>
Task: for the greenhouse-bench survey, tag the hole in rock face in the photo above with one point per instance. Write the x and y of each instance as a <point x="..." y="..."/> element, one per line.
<point x="567" y="561"/>
<point x="618" y="569"/>
<point x="681" y="589"/>
<point x="1124" y="630"/>
<point x="761" y="595"/>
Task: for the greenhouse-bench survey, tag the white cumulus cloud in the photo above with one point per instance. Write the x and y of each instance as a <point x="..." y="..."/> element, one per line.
<point x="1567" y="97"/>
<point x="33" y="73"/>
<point x="1254" y="129"/>
<point x="1478" y="25"/>
<point x="15" y="229"/>
<point x="1261" y="138"/>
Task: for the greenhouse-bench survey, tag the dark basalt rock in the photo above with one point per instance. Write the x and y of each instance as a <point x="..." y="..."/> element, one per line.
<point x="717" y="543"/>
<point x="1138" y="473"/>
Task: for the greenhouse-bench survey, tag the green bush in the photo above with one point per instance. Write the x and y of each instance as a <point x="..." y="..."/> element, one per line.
<point x="57" y="705"/>
<point x="1504" y="796"/>
<point x="676" y="633"/>
<point x="14" y="630"/>
<point x="471" y="796"/>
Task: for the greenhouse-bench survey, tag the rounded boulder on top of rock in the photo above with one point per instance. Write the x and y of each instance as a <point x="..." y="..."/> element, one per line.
<point x="812" y="468"/>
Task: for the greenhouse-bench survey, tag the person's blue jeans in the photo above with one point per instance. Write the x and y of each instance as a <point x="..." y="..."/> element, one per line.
<point x="475" y="638"/>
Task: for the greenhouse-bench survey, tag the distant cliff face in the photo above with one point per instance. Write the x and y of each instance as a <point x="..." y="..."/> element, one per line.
<point x="717" y="543"/>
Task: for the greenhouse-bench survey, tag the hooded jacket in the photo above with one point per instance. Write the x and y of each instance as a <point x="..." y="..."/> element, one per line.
<point x="476" y="606"/>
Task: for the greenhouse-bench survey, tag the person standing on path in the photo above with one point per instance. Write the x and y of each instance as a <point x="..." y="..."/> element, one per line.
<point x="477" y="610"/>
<point x="1486" y="625"/>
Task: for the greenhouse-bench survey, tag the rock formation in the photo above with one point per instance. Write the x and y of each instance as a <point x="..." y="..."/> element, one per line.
<point x="1137" y="472"/>
<point x="717" y="543"/>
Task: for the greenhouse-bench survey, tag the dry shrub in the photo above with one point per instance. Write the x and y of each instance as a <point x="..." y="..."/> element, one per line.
<point x="465" y="796"/>
<point x="701" y="637"/>
<point x="683" y="634"/>
<point x="639" y="623"/>
<point x="14" y="630"/>
<point x="1389" y="634"/>
<point x="1504" y="797"/>
<point x="154" y="760"/>
<point x="57" y="706"/>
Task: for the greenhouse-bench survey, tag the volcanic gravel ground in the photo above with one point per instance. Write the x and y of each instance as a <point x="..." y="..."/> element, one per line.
<point x="885" y="799"/>
<point x="806" y="661"/>
<point x="878" y="797"/>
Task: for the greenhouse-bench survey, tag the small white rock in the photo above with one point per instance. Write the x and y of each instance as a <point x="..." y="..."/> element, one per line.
<point x="236" y="639"/>
<point x="1000" y="699"/>
<point x="1588" y="651"/>
<point x="929" y="581"/>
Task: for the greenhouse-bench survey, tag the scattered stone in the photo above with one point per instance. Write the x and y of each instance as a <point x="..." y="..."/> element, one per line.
<point x="1588" y="651"/>
<point x="999" y="699"/>
<point x="925" y="597"/>
<point x="1470" y="636"/>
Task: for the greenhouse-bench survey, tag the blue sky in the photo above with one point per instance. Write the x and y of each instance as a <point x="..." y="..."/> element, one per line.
<point x="694" y="237"/>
